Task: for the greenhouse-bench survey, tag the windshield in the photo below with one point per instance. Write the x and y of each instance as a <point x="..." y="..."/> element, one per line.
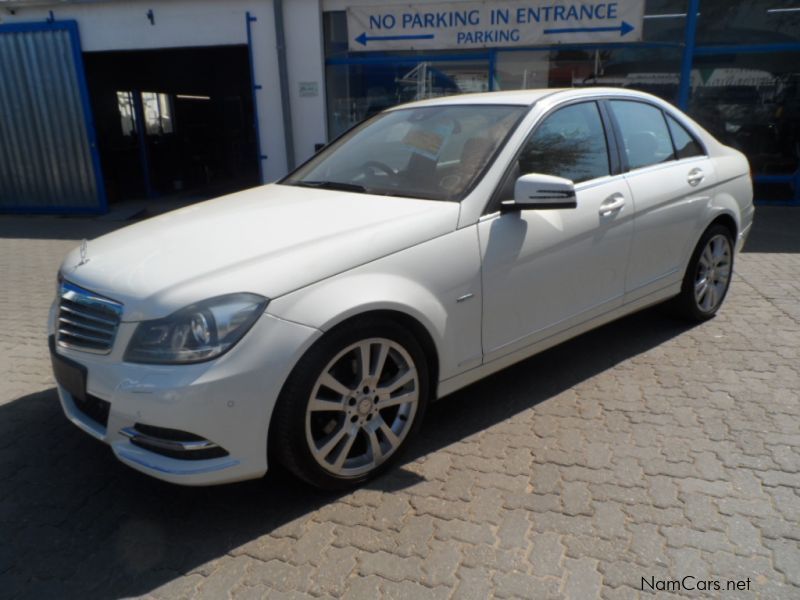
<point x="433" y="152"/>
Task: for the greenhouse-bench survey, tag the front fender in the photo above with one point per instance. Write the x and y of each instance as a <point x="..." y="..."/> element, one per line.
<point x="335" y="300"/>
<point x="436" y="283"/>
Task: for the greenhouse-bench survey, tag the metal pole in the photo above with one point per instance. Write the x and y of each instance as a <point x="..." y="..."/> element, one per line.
<point x="283" y="77"/>
<point x="689" y="34"/>
<point x="144" y="152"/>
<point x="249" y="20"/>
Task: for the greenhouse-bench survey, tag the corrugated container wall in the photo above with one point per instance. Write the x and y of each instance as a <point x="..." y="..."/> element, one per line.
<point x="45" y="160"/>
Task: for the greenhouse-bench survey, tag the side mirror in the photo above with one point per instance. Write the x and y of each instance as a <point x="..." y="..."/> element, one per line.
<point x="535" y="191"/>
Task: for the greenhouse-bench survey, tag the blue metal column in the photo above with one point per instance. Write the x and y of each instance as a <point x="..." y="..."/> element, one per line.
<point x="255" y="87"/>
<point x="492" y="68"/>
<point x="690" y="33"/>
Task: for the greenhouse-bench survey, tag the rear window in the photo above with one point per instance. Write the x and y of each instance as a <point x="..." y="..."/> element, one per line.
<point x="686" y="145"/>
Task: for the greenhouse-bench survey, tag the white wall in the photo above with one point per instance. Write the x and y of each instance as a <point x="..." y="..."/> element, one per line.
<point x="305" y="63"/>
<point x="124" y="26"/>
<point x="343" y="4"/>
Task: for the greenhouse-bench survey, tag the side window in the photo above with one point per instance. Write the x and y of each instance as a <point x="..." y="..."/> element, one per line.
<point x="569" y="143"/>
<point x="644" y="133"/>
<point x="685" y="144"/>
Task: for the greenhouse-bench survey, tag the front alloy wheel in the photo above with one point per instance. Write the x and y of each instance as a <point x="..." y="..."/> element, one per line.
<point x="362" y="407"/>
<point x="351" y="404"/>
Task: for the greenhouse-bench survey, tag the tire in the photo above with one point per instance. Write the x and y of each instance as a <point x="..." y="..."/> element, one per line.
<point x="338" y="422"/>
<point x="708" y="276"/>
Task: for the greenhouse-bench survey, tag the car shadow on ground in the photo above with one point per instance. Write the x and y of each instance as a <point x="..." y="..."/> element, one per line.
<point x="76" y="521"/>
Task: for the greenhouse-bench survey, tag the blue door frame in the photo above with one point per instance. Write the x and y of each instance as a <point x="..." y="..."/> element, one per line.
<point x="690" y="51"/>
<point x="71" y="27"/>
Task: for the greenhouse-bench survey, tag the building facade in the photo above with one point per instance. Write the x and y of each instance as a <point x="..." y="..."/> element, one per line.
<point x="102" y="102"/>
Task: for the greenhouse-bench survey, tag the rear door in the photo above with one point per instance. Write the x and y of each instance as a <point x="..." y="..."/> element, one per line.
<point x="670" y="179"/>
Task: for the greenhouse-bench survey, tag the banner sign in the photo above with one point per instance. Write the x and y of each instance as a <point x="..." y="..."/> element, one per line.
<point x="492" y="24"/>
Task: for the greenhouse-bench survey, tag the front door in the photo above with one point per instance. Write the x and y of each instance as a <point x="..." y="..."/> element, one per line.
<point x="547" y="270"/>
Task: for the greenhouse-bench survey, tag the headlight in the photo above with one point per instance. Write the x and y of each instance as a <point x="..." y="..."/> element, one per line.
<point x="196" y="333"/>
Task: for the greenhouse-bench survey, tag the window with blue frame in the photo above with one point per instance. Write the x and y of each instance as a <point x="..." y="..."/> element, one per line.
<point x="356" y="91"/>
<point x="738" y="75"/>
<point x="744" y="87"/>
<point x="651" y="69"/>
<point x="748" y="22"/>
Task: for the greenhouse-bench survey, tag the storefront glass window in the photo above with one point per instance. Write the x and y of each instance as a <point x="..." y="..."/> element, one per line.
<point x="749" y="98"/>
<point x="334" y="28"/>
<point x="752" y="102"/>
<point x="751" y="22"/>
<point x="358" y="91"/>
<point x="653" y="70"/>
<point x="664" y="21"/>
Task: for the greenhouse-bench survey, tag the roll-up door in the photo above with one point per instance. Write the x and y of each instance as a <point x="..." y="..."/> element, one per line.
<point x="48" y="154"/>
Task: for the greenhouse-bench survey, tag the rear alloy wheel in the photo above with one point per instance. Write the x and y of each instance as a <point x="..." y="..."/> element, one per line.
<point x="713" y="273"/>
<point x="708" y="276"/>
<point x="351" y="404"/>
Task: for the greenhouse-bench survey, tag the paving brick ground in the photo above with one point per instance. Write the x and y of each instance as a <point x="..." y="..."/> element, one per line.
<point x="644" y="449"/>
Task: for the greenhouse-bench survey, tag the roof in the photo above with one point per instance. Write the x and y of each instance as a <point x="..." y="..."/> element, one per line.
<point x="522" y="97"/>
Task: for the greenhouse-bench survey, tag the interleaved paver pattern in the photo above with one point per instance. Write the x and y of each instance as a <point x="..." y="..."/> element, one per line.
<point x="646" y="448"/>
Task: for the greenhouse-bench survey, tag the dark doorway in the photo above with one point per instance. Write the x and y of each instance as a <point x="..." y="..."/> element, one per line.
<point x="173" y="121"/>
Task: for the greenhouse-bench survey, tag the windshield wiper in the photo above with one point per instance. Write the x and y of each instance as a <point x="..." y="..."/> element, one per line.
<point x="415" y="196"/>
<point x="334" y="185"/>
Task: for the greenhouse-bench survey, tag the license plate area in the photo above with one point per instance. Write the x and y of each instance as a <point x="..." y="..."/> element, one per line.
<point x="69" y="374"/>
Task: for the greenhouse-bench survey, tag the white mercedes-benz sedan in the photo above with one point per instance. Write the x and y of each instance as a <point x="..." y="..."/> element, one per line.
<point x="309" y="322"/>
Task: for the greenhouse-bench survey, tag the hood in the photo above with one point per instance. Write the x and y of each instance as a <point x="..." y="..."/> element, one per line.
<point x="268" y="240"/>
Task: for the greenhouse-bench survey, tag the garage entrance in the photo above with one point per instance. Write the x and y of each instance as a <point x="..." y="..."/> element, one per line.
<point x="173" y="121"/>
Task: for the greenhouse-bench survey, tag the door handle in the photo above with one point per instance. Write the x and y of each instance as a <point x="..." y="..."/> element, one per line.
<point x="613" y="203"/>
<point x="695" y="176"/>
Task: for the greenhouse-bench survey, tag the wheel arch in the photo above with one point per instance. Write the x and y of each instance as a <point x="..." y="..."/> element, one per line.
<point x="716" y="214"/>
<point x="414" y="325"/>
<point x="726" y="219"/>
<point x="394" y="296"/>
<point x="724" y="209"/>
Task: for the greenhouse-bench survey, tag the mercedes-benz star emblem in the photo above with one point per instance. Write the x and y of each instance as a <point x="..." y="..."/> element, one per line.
<point x="84" y="250"/>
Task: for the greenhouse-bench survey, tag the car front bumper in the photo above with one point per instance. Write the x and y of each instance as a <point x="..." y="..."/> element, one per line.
<point x="227" y="401"/>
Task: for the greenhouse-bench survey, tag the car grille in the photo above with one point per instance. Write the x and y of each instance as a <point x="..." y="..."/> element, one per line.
<point x="86" y="321"/>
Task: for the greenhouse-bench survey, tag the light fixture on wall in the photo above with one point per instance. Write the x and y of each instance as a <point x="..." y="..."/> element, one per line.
<point x="666" y="16"/>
